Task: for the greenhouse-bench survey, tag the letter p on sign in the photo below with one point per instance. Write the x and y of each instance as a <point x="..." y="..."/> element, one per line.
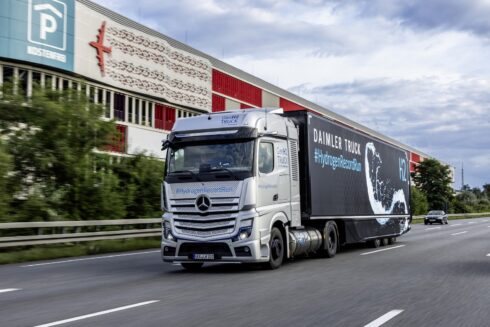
<point x="47" y="23"/>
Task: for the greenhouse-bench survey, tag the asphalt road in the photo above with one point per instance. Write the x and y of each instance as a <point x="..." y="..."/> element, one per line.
<point x="433" y="276"/>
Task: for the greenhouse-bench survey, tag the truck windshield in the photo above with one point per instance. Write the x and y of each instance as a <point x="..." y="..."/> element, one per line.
<point x="195" y="158"/>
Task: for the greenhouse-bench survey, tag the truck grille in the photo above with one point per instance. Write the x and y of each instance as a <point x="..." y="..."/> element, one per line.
<point x="217" y="205"/>
<point x="220" y="219"/>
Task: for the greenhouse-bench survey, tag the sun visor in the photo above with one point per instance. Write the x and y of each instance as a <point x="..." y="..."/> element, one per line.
<point x="235" y="133"/>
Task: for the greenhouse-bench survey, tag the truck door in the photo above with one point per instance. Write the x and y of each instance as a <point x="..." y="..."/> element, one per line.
<point x="273" y="174"/>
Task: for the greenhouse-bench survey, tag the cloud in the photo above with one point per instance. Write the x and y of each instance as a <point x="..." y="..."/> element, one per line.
<point x="448" y="120"/>
<point x="468" y="15"/>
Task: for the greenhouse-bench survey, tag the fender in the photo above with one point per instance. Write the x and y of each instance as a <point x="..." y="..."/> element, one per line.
<point x="266" y="234"/>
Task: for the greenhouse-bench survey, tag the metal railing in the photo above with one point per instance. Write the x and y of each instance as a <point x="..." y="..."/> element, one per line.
<point x="52" y="232"/>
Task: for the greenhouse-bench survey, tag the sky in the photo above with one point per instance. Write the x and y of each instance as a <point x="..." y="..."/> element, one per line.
<point x="415" y="70"/>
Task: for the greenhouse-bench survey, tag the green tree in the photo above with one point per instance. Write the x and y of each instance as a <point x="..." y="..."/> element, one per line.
<point x="486" y="190"/>
<point x="140" y="179"/>
<point x="52" y="138"/>
<point x="434" y="180"/>
<point x="418" y="201"/>
<point x="50" y="171"/>
<point x="5" y="195"/>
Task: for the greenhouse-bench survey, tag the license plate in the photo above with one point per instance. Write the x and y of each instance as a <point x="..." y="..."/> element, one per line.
<point x="201" y="256"/>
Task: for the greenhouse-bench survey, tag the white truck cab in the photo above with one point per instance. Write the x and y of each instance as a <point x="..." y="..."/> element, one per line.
<point x="231" y="177"/>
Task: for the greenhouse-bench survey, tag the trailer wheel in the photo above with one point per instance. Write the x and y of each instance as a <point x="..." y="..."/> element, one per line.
<point x="385" y="241"/>
<point x="375" y="243"/>
<point x="392" y="240"/>
<point x="331" y="239"/>
<point x="276" y="246"/>
<point x="192" y="266"/>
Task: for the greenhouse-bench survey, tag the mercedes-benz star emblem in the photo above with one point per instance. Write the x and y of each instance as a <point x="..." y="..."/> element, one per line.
<point x="203" y="203"/>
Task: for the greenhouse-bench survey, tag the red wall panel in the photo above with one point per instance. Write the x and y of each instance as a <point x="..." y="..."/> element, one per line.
<point x="245" y="106"/>
<point x="118" y="142"/>
<point x="236" y="88"/>
<point x="164" y="117"/>
<point x="289" y="105"/>
<point x="412" y="167"/>
<point x="218" y="103"/>
<point x="414" y="157"/>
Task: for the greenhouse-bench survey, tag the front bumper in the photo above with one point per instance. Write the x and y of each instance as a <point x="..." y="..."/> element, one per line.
<point x="434" y="219"/>
<point x="221" y="251"/>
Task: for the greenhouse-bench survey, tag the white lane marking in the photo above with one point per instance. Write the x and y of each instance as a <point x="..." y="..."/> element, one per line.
<point x="385" y="249"/>
<point x="59" y="322"/>
<point x="384" y="318"/>
<point x="459" y="233"/>
<point x="452" y="225"/>
<point x="471" y="222"/>
<point x="488" y="255"/>
<point x="90" y="258"/>
<point x="432" y="228"/>
<point x="9" y="290"/>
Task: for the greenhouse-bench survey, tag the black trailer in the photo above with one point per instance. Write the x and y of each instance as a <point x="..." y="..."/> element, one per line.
<point x="360" y="182"/>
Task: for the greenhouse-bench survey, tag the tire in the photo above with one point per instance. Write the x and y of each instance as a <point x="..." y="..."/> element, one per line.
<point x="385" y="241"/>
<point x="425" y="223"/>
<point x="192" y="266"/>
<point x="430" y="223"/>
<point x="375" y="243"/>
<point x="392" y="240"/>
<point x="277" y="250"/>
<point x="330" y="239"/>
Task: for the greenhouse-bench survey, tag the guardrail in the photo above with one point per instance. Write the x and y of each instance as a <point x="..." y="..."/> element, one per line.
<point x="65" y="236"/>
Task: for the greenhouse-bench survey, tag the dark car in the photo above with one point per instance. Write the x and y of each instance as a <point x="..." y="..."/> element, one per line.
<point x="436" y="216"/>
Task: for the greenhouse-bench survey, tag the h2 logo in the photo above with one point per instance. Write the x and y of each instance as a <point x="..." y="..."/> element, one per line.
<point x="403" y="169"/>
<point x="47" y="23"/>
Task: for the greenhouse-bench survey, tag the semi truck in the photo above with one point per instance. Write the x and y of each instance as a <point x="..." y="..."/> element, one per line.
<point x="264" y="185"/>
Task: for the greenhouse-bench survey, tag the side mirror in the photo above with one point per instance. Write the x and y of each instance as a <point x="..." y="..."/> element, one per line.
<point x="166" y="144"/>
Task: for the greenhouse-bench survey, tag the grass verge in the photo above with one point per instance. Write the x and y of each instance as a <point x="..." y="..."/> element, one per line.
<point x="45" y="252"/>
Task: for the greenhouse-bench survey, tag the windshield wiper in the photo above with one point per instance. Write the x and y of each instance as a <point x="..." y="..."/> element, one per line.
<point x="193" y="174"/>
<point x="227" y="170"/>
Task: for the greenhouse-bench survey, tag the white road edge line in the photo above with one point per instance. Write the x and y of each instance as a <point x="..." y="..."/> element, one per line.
<point x="384" y="318"/>
<point x="459" y="233"/>
<point x="9" y="290"/>
<point x="60" y="322"/>
<point x="488" y="255"/>
<point x="90" y="258"/>
<point x="432" y="228"/>
<point x="452" y="225"/>
<point x="385" y="249"/>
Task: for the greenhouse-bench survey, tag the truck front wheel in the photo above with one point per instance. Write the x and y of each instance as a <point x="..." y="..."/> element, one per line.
<point x="276" y="248"/>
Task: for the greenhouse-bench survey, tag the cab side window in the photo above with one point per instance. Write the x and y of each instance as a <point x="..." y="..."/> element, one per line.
<point x="266" y="157"/>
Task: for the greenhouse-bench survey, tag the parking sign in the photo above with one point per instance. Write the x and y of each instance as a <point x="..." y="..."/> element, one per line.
<point x="47" y="23"/>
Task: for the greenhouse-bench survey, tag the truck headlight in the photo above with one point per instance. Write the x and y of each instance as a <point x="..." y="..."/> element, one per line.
<point x="167" y="231"/>
<point x="245" y="230"/>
